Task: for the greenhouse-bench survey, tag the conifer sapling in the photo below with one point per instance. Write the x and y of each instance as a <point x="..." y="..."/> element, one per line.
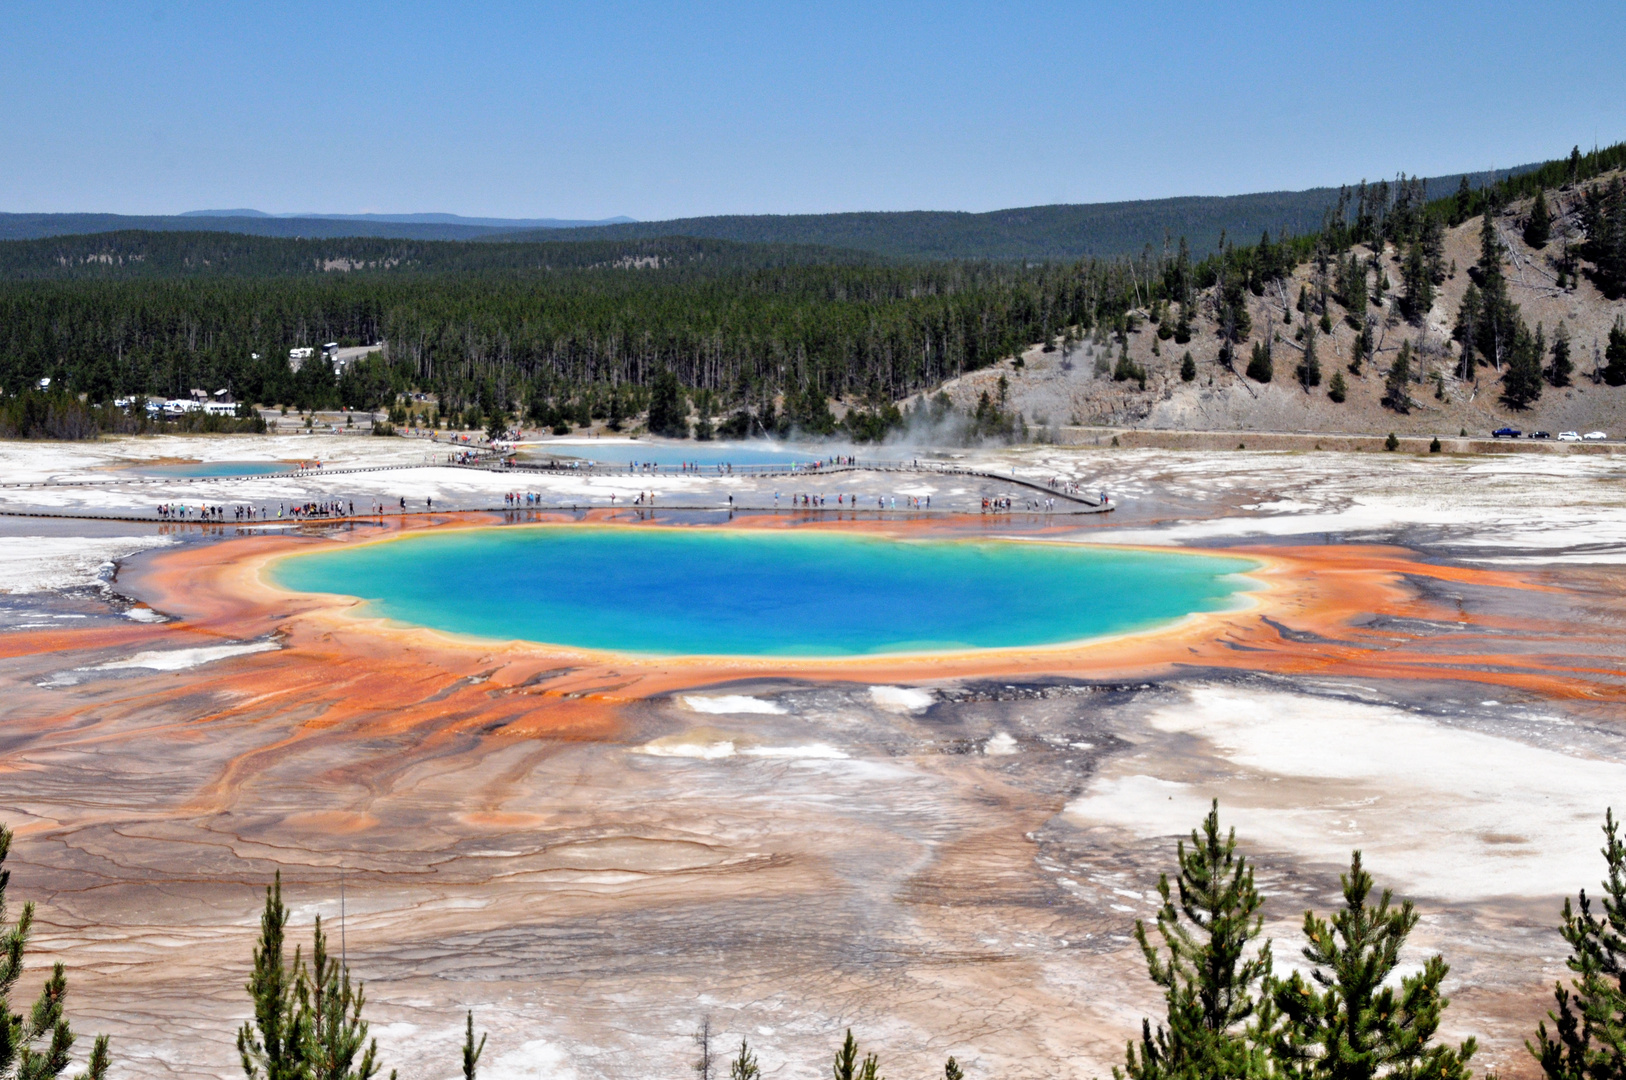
<point x="471" y="1052"/>
<point x="1588" y="1038"/>
<point x="1208" y="924"/>
<point x="1347" y="1021"/>
<point x="744" y="1066"/>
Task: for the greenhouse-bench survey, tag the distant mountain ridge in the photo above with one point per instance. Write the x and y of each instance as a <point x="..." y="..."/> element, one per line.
<point x="39" y="226"/>
<point x="422" y="219"/>
<point x="1059" y="232"/>
<point x="1044" y="233"/>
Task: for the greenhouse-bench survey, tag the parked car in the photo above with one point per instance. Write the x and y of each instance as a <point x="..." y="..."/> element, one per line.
<point x="1568" y="436"/>
<point x="1506" y="433"/>
<point x="1595" y="435"/>
<point x="1538" y="435"/>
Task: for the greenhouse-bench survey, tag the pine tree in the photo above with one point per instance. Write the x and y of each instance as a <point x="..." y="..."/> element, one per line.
<point x="35" y="1045"/>
<point x="1354" y="291"/>
<point x="1343" y="1023"/>
<point x="1432" y="241"/>
<point x="1397" y="386"/>
<point x="1260" y="367"/>
<point x="1235" y="322"/>
<point x="1499" y="323"/>
<point x="1538" y="226"/>
<point x="471" y="1052"/>
<point x="1469" y="314"/>
<point x="744" y="1066"/>
<point x="1177" y="279"/>
<point x="1309" y="368"/>
<point x="337" y="1031"/>
<point x="1588" y="1039"/>
<point x="1490" y="248"/>
<point x="1188" y="368"/>
<point x="1417" y="277"/>
<point x="668" y="412"/>
<point x="952" y="1070"/>
<point x="273" y="1046"/>
<point x="1614" y="372"/>
<point x="1336" y="390"/>
<point x="307" y="1022"/>
<point x="1522" y="381"/>
<point x="1465" y="202"/>
<point x="1182" y="328"/>
<point x="847" y="1066"/>
<point x="1210" y="984"/>
<point x="1562" y="367"/>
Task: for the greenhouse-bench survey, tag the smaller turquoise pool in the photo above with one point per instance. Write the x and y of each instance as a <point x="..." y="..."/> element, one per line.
<point x="671" y="456"/>
<point x="748" y="592"/>
<point x="215" y="468"/>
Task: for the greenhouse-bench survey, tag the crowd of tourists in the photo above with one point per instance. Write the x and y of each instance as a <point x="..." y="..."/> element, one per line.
<point x="241" y="513"/>
<point x="845" y="501"/>
<point x="187" y="512"/>
<point x="323" y="510"/>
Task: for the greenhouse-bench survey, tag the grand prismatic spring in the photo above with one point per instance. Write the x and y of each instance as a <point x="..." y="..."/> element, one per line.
<point x="710" y="591"/>
<point x="599" y="771"/>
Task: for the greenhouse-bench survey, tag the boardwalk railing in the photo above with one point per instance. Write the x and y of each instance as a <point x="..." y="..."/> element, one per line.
<point x="804" y="470"/>
<point x="807" y="469"/>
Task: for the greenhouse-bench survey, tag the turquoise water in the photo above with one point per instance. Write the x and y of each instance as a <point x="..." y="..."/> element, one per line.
<point x="705" y="591"/>
<point x="217" y="468"/>
<point x="672" y="455"/>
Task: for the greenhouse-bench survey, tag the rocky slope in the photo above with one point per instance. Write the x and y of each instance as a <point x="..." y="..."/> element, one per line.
<point x="1057" y="389"/>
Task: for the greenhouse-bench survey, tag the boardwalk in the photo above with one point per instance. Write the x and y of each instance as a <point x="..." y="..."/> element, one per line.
<point x="1063" y="502"/>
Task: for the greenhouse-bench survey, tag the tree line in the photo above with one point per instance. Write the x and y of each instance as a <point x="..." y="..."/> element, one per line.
<point x="135" y="253"/>
<point x="569" y="339"/>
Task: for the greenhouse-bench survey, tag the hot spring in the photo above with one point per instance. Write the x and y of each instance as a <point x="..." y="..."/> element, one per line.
<point x="215" y="469"/>
<point x="747" y="592"/>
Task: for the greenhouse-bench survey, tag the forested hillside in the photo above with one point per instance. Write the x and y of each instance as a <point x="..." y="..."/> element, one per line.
<point x="568" y="337"/>
<point x="138" y="254"/>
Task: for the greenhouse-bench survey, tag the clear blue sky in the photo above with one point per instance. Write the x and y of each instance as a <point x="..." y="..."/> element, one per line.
<point x="662" y="110"/>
